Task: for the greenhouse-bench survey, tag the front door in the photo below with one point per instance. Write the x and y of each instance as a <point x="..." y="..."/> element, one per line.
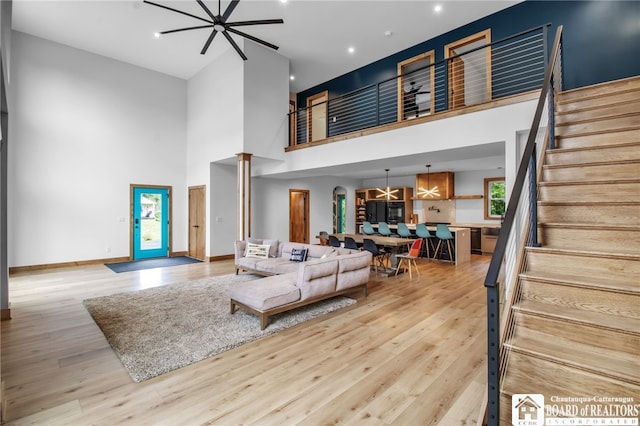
<point x="150" y="222"/>
<point x="298" y="216"/>
<point x="196" y="222"/>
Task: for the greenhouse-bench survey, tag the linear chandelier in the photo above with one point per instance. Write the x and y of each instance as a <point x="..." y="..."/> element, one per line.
<point x="387" y="193"/>
<point x="429" y="192"/>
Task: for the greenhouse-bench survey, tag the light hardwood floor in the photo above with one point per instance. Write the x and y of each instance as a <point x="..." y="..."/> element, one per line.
<point x="412" y="353"/>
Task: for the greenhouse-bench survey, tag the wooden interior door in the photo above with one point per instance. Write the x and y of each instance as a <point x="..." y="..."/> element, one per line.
<point x="197" y="222"/>
<point x="317" y="116"/>
<point x="299" y="216"/>
<point x="456" y="83"/>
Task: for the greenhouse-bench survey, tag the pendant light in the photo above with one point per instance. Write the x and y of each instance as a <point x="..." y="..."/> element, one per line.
<point x="429" y="192"/>
<point x="388" y="194"/>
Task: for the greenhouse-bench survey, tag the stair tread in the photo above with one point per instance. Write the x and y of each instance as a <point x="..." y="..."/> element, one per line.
<point x="560" y="150"/>
<point x="608" y="361"/>
<point x="601" y="283"/>
<point x="593" y="226"/>
<point x="590" y="182"/>
<point x="588" y="203"/>
<point x="591" y="164"/>
<point x="595" y="319"/>
<point x="595" y="119"/>
<point x="585" y="253"/>
<point x="604" y="102"/>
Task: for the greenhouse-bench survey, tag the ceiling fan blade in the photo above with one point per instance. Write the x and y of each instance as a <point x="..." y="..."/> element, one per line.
<point x="230" y="8"/>
<point x="208" y="42"/>
<point x="206" y="9"/>
<point x="187" y="29"/>
<point x="177" y="11"/>
<point x="259" y="22"/>
<point x="250" y="37"/>
<point x="235" y="46"/>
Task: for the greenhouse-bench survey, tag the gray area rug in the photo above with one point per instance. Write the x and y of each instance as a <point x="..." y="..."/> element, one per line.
<point x="157" y="330"/>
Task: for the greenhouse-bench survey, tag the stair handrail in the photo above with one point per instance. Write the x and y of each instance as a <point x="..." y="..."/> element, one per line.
<point x="528" y="166"/>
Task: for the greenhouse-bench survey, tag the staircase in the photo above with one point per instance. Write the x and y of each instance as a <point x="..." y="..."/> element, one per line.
<point x="577" y="309"/>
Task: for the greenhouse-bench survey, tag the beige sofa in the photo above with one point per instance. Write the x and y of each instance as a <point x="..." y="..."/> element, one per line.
<point x="326" y="273"/>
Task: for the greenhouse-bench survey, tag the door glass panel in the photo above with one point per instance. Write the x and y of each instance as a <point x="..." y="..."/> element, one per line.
<point x="150" y="215"/>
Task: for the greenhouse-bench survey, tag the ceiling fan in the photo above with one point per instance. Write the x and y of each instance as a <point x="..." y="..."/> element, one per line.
<point x="219" y="24"/>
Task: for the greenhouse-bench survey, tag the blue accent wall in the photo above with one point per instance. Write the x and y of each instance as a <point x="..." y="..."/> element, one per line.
<point x="601" y="43"/>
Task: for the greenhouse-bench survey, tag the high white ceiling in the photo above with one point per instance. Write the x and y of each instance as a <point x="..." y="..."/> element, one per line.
<point x="315" y="35"/>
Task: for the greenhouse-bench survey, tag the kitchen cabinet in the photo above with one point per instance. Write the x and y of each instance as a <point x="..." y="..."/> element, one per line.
<point x="489" y="239"/>
<point x="445" y="181"/>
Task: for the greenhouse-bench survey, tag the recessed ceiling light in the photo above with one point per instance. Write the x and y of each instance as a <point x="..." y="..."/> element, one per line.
<point x="156" y="34"/>
<point x="292" y="77"/>
<point x="437" y="8"/>
<point x="351" y="49"/>
<point x="388" y="33"/>
<point x="283" y="1"/>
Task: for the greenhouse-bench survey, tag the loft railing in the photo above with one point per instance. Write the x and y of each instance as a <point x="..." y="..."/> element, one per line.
<point x="519" y="224"/>
<point x="480" y="74"/>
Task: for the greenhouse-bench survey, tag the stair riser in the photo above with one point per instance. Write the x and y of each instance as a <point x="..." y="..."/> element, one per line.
<point x="528" y="375"/>
<point x="601" y="240"/>
<point x="605" y="89"/>
<point x="599" y="172"/>
<point x="612" y="153"/>
<point x="585" y="299"/>
<point x="613" y="138"/>
<point x="604" y="111"/>
<point x="610" y="214"/>
<point x="603" y="125"/>
<point x="625" y="270"/>
<point x="616" y="192"/>
<point x="566" y="109"/>
<point x="580" y="333"/>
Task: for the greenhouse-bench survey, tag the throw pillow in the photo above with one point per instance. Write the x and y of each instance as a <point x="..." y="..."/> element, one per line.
<point x="298" y="255"/>
<point x="257" y="250"/>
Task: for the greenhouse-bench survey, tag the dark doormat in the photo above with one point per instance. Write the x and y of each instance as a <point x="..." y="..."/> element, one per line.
<point x="139" y="265"/>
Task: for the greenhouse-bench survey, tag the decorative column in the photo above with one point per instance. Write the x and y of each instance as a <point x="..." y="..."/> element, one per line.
<point x="244" y="195"/>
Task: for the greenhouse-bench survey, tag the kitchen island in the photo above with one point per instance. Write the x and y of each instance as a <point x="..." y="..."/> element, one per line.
<point x="462" y="242"/>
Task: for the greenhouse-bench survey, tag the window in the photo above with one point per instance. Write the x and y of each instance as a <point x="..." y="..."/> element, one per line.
<point x="495" y="198"/>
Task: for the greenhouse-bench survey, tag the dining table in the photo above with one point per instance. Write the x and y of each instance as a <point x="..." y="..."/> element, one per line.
<point x="394" y="244"/>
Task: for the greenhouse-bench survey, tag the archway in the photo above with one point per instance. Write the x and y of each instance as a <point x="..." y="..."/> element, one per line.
<point x="339" y="210"/>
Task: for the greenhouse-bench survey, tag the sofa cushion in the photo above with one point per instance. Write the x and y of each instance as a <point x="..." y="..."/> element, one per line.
<point x="316" y="252"/>
<point x="353" y="270"/>
<point x="266" y="293"/>
<point x="276" y="265"/>
<point x="249" y="262"/>
<point x="317" y="277"/>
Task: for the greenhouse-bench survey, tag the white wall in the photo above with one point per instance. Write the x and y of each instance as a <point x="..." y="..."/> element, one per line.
<point x="214" y="126"/>
<point x="266" y="102"/>
<point x="83" y="128"/>
<point x="223" y="209"/>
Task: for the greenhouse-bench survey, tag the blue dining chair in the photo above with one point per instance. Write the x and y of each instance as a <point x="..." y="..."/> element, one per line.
<point x="443" y="233"/>
<point x="423" y="232"/>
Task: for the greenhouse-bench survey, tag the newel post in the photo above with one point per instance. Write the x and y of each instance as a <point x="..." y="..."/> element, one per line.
<point x="244" y="195"/>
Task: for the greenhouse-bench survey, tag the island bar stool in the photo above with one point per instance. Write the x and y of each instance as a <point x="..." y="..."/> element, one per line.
<point x="383" y="229"/>
<point x="443" y="233"/>
<point x="367" y="228"/>
<point x="423" y="232"/>
<point x="403" y="230"/>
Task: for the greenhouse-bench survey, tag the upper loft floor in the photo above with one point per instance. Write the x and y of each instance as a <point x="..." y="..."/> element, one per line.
<point x="477" y="73"/>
